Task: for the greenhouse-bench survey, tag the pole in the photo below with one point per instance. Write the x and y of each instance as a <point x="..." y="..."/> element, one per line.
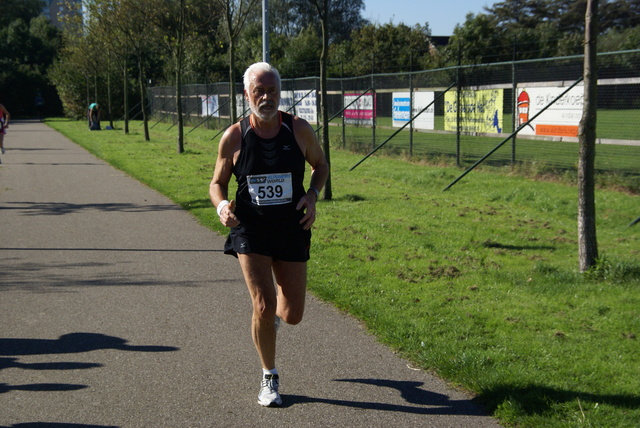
<point x="265" y="31"/>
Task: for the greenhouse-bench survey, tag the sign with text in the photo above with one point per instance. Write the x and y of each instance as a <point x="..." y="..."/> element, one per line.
<point x="560" y="120"/>
<point x="402" y="111"/>
<point x="306" y="108"/>
<point x="362" y="111"/>
<point x="480" y="111"/>
<point x="210" y="106"/>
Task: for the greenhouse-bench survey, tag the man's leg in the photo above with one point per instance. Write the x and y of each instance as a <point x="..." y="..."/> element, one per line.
<point x="291" y="278"/>
<point x="257" y="274"/>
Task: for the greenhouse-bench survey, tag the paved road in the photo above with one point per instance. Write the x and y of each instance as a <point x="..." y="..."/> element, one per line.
<point x="117" y="309"/>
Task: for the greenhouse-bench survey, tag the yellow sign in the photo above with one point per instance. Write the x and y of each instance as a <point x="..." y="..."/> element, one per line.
<point x="480" y="111"/>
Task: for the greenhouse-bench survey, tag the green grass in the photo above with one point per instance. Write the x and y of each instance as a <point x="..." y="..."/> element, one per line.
<point x="544" y="156"/>
<point x="478" y="284"/>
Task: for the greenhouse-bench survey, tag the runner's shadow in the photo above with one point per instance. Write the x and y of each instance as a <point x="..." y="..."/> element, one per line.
<point x="73" y="343"/>
<point x="419" y="401"/>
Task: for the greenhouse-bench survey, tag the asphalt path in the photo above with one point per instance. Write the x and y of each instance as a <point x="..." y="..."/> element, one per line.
<point x="117" y="309"/>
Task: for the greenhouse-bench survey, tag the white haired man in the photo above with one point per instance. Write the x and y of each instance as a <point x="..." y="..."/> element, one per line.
<point x="273" y="212"/>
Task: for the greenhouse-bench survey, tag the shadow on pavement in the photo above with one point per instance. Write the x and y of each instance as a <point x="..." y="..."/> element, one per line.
<point x="419" y="401"/>
<point x="73" y="343"/>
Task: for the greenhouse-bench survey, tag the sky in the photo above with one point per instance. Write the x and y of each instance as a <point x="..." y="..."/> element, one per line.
<point x="442" y="16"/>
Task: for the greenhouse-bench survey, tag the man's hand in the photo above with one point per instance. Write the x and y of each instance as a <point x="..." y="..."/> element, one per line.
<point x="227" y="217"/>
<point x="308" y="202"/>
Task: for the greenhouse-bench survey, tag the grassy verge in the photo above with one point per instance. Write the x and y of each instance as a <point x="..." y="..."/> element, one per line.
<point x="478" y="284"/>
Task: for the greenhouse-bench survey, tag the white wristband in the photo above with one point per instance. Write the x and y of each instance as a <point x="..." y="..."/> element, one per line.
<point x="221" y="205"/>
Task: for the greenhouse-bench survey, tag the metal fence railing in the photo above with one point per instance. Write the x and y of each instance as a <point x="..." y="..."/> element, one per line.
<point x="458" y="113"/>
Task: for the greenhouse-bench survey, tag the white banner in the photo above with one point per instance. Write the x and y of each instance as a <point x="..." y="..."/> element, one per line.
<point x="362" y="111"/>
<point x="402" y="111"/>
<point x="560" y="120"/>
<point x="210" y="106"/>
<point x="306" y="108"/>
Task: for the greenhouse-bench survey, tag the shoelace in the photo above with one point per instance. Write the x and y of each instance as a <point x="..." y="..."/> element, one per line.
<point x="271" y="382"/>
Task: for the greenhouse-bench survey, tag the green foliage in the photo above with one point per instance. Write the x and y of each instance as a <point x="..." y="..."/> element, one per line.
<point x="538" y="29"/>
<point x="28" y="45"/>
<point x="479" y="283"/>
<point x="384" y="48"/>
<point x="300" y="55"/>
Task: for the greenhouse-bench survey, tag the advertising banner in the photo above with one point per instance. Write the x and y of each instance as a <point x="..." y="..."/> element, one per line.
<point x="402" y="109"/>
<point x="362" y="111"/>
<point x="242" y="106"/>
<point x="210" y="106"/>
<point x="306" y="109"/>
<point x="480" y="111"/>
<point x="560" y="120"/>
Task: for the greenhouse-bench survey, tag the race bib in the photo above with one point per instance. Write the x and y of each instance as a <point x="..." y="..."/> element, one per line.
<point x="270" y="189"/>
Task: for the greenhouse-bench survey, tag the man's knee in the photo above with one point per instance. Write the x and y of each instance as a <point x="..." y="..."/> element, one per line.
<point x="264" y="309"/>
<point x="292" y="317"/>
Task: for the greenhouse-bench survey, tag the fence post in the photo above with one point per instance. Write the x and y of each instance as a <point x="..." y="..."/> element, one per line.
<point x="458" y="96"/>
<point x="344" y="133"/>
<point x="411" y="107"/>
<point x="373" y="119"/>
<point x="514" y="99"/>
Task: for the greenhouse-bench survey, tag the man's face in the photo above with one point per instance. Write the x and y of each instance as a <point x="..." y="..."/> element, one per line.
<point x="263" y="95"/>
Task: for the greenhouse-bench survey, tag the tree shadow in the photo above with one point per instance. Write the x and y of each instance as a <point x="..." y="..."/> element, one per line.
<point x="61" y="208"/>
<point x="11" y="363"/>
<point x="493" y="244"/>
<point x="419" y="401"/>
<point x="537" y="399"/>
<point x="41" y="387"/>
<point x="55" y="425"/>
<point x="73" y="343"/>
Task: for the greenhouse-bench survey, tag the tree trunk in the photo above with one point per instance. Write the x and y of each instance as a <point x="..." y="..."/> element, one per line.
<point x="180" y="139"/>
<point x="143" y="104"/>
<point x="587" y="242"/>
<point x="178" y="49"/>
<point x="232" y="83"/>
<point x="125" y="88"/>
<point x="328" y="193"/>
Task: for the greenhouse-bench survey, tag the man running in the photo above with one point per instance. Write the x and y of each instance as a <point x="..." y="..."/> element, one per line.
<point x="4" y="124"/>
<point x="272" y="214"/>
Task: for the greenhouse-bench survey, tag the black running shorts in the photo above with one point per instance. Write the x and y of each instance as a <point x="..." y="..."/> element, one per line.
<point x="290" y="247"/>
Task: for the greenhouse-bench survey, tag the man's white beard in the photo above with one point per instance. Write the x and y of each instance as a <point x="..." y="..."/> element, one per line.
<point x="266" y="115"/>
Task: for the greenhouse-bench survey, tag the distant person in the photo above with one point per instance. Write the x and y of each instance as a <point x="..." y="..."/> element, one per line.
<point x="94" y="117"/>
<point x="272" y="215"/>
<point x="39" y="102"/>
<point x="4" y="124"/>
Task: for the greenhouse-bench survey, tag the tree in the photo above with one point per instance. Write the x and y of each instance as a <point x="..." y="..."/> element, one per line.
<point x="235" y="15"/>
<point x="299" y="56"/>
<point x="480" y="40"/>
<point x="587" y="242"/>
<point x="28" y="47"/>
<point x="177" y="21"/>
<point x="387" y="48"/>
<point x="345" y="17"/>
<point x="322" y="8"/>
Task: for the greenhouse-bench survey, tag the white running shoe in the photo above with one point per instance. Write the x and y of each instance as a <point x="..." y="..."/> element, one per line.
<point x="269" y="395"/>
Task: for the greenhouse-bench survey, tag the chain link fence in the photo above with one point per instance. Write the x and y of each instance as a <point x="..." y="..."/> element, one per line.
<point x="456" y="114"/>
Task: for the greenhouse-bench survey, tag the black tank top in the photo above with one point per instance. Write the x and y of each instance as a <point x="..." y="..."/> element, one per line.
<point x="270" y="177"/>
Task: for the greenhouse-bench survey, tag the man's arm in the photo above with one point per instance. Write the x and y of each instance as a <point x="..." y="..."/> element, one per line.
<point x="306" y="137"/>
<point x="7" y="116"/>
<point x="219" y="186"/>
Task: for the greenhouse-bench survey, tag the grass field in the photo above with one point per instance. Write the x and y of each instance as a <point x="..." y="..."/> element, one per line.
<point x="478" y="284"/>
<point x="615" y="162"/>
